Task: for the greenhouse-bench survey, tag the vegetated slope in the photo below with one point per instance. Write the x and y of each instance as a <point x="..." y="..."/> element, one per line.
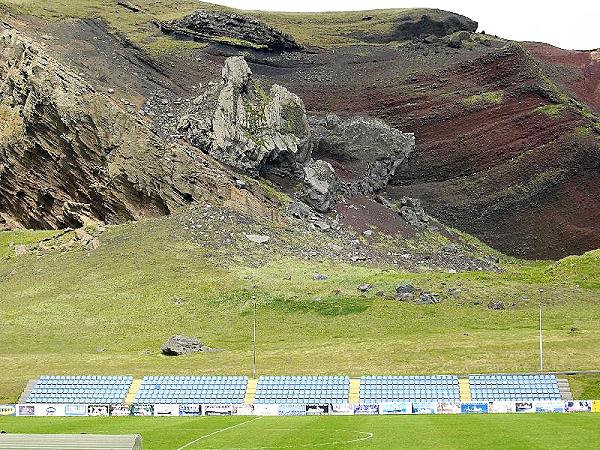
<point x="503" y="152"/>
<point x="67" y="309"/>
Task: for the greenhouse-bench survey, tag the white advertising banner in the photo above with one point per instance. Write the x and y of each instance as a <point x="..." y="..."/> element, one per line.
<point x="75" y="410"/>
<point x="447" y="408"/>
<point x="502" y="407"/>
<point x="49" y="410"/>
<point x="266" y="410"/>
<point x="242" y="410"/>
<point x="166" y="410"/>
<point x="98" y="410"/>
<point x="216" y="410"/>
<point x="342" y="409"/>
<point x="556" y="406"/>
<point x="424" y="407"/>
<point x="524" y="407"/>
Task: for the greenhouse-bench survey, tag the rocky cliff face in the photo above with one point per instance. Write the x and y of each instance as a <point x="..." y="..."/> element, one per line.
<point x="230" y="28"/>
<point x="365" y="152"/>
<point x="240" y="124"/>
<point x="266" y="134"/>
<point x="70" y="155"/>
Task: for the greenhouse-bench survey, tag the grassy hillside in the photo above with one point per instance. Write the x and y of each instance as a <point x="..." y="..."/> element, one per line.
<point x="109" y="310"/>
<point x="317" y="29"/>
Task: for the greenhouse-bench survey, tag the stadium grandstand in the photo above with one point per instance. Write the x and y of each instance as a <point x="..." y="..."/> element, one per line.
<point x="237" y="390"/>
<point x="514" y="387"/>
<point x="376" y="389"/>
<point x="80" y="389"/>
<point x="302" y="389"/>
<point x="192" y="389"/>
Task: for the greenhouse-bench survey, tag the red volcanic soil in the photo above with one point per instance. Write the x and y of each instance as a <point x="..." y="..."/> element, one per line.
<point x="500" y="169"/>
<point x="578" y="72"/>
<point x="524" y="181"/>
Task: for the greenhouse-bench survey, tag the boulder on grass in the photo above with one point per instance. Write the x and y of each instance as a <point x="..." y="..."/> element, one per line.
<point x="182" y="345"/>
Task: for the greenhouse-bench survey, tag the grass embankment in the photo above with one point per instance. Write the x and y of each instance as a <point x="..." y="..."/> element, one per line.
<point x="323" y="29"/>
<point x="507" y="431"/>
<point x="108" y="311"/>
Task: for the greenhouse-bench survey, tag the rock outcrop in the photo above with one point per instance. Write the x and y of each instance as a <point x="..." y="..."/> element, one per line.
<point x="420" y="24"/>
<point x="231" y="29"/>
<point x="70" y="155"/>
<point x="240" y="124"/>
<point x="367" y="151"/>
<point x="321" y="186"/>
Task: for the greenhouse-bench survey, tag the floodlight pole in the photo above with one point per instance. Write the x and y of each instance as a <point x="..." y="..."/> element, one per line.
<point x="254" y="339"/>
<point x="541" y="345"/>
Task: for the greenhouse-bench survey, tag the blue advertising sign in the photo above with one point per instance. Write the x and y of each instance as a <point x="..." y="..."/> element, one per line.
<point x="474" y="408"/>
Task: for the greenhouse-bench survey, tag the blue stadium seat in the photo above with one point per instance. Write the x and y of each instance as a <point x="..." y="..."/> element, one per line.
<point x="376" y="389"/>
<point x="302" y="389"/>
<point x="514" y="387"/>
<point x="80" y="389"/>
<point x="192" y="389"/>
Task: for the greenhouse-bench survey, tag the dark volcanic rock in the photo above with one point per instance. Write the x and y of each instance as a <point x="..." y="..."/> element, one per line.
<point x="182" y="345"/>
<point x="495" y="305"/>
<point x="437" y="23"/>
<point x="419" y="25"/>
<point x="427" y="298"/>
<point x="365" y="152"/>
<point x="405" y="289"/>
<point x="218" y="25"/>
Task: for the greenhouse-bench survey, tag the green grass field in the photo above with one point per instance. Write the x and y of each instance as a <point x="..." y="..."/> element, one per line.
<point x="539" y="431"/>
<point x="108" y="312"/>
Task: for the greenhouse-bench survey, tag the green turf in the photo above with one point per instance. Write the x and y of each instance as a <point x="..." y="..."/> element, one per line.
<point x="539" y="431"/>
<point x="324" y="29"/>
<point x="108" y="312"/>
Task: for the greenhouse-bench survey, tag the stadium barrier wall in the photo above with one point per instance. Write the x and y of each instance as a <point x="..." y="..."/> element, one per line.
<point x="386" y="408"/>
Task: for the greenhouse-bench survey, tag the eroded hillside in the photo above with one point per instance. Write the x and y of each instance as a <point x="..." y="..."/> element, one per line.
<point x="504" y="151"/>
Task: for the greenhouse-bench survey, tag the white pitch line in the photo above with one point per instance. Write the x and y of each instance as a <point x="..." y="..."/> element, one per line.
<point x="217" y="432"/>
<point x="366" y="435"/>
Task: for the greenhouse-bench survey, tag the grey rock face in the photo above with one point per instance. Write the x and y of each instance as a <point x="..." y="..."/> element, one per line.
<point x="213" y="24"/>
<point x="86" y="158"/>
<point x="321" y="187"/>
<point x="369" y="149"/>
<point x="241" y="125"/>
<point x="299" y="210"/>
<point x="495" y="305"/>
<point x="258" y="238"/>
<point x="412" y="212"/>
<point x="405" y="289"/>
<point x="182" y="345"/>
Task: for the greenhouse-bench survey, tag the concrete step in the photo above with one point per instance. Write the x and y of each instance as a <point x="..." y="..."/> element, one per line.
<point x="465" y="389"/>
<point x="27" y="390"/>
<point x="133" y="390"/>
<point x="564" y="389"/>
<point x="354" y="392"/>
<point x="250" y="391"/>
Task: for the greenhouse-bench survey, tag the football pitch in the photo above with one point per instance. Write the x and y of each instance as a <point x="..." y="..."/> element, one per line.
<point x="519" y="431"/>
